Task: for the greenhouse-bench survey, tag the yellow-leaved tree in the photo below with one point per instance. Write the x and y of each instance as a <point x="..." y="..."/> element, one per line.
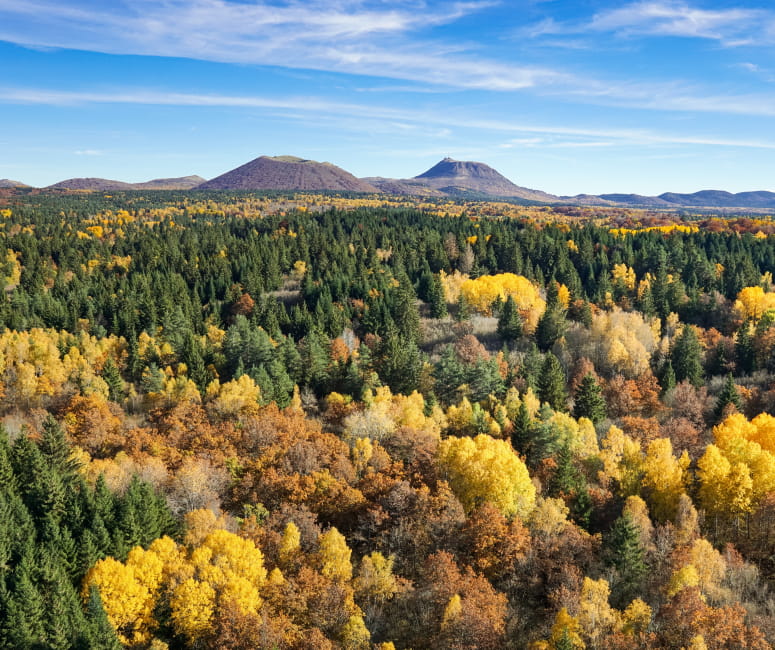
<point x="224" y="570"/>
<point x="485" y="290"/>
<point x="753" y="302"/>
<point x="485" y="469"/>
<point x="664" y="478"/>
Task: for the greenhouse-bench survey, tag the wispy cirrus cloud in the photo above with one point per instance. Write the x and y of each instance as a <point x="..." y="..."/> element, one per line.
<point x="351" y="36"/>
<point x="730" y="27"/>
<point x="301" y="108"/>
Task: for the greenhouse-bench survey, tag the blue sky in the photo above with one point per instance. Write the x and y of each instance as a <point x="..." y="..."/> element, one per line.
<point x="566" y="97"/>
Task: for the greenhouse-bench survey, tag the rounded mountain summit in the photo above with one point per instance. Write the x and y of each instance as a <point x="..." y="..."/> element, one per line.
<point x="287" y="173"/>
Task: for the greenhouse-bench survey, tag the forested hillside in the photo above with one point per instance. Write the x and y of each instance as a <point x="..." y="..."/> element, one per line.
<point x="246" y="420"/>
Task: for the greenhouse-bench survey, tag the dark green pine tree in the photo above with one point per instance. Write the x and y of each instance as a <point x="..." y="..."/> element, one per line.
<point x="404" y="310"/>
<point x="551" y="383"/>
<point x="101" y="633"/>
<point x="553" y="322"/>
<point x="191" y="354"/>
<point x="436" y="299"/>
<point x="530" y="370"/>
<point x="134" y="363"/>
<point x="463" y="311"/>
<point x="727" y="396"/>
<point x="567" y="479"/>
<point x="509" y="322"/>
<point x="667" y="380"/>
<point x="521" y="428"/>
<point x="589" y="401"/>
<point x="624" y="551"/>
<point x="57" y="452"/>
<point x="744" y="349"/>
<point x="25" y="613"/>
<point x="112" y="378"/>
<point x="399" y="363"/>
<point x="65" y="621"/>
<point x="686" y="357"/>
<point x="449" y="374"/>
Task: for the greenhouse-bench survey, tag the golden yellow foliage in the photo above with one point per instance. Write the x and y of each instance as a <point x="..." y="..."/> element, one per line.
<point x="223" y="569"/>
<point x="636" y="618"/>
<point x="193" y="604"/>
<point x="335" y="555"/>
<point x="753" y="302"/>
<point x="451" y="284"/>
<point x="290" y="545"/>
<point x="750" y="444"/>
<point x="616" y="342"/>
<point x="596" y="617"/>
<point x="127" y="601"/>
<point x="482" y="292"/>
<point x="624" y="275"/>
<point x="236" y="397"/>
<point x="664" y="478"/>
<point x="579" y="434"/>
<point x="485" y="469"/>
<point x="549" y="518"/>
<point x="375" y="579"/>
<point x="566" y="626"/>
<point x="684" y="577"/>
<point x="354" y="634"/>
<point x="622" y="460"/>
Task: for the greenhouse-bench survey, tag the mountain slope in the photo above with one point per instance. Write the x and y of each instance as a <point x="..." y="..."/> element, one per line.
<point x="90" y="184"/>
<point x="182" y="183"/>
<point x="107" y="185"/>
<point x="451" y="176"/>
<point x="7" y="183"/>
<point x="287" y="173"/>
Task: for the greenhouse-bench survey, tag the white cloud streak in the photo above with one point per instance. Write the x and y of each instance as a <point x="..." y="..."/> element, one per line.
<point x="303" y="107"/>
<point x="345" y="36"/>
<point x="730" y="27"/>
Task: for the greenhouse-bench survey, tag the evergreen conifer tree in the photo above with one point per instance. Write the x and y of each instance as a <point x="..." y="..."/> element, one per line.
<point x="112" y="378"/>
<point x="509" y="321"/>
<point x="686" y="356"/>
<point x="626" y="554"/>
<point x="589" y="401"/>
<point x="551" y="383"/>
<point x="727" y="396"/>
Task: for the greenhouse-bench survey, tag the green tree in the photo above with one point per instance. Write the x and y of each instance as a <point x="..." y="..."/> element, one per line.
<point x="436" y="300"/>
<point x="509" y="322"/>
<point x="626" y="554"/>
<point x="551" y="383"/>
<point x="112" y="378"/>
<point x="727" y="396"/>
<point x="589" y="401"/>
<point x="685" y="356"/>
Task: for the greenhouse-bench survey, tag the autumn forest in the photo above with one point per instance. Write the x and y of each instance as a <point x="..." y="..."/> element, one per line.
<point x="294" y="420"/>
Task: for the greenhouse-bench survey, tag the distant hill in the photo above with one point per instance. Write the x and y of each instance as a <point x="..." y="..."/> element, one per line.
<point x="182" y="183"/>
<point x="7" y="184"/>
<point x="90" y="184"/>
<point x="719" y="199"/>
<point x="106" y="185"/>
<point x="397" y="186"/>
<point x="287" y="173"/>
<point x="635" y="199"/>
<point x="461" y="178"/>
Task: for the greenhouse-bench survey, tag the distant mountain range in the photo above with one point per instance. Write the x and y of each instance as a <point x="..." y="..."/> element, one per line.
<point x="452" y="178"/>
<point x="105" y="185"/>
